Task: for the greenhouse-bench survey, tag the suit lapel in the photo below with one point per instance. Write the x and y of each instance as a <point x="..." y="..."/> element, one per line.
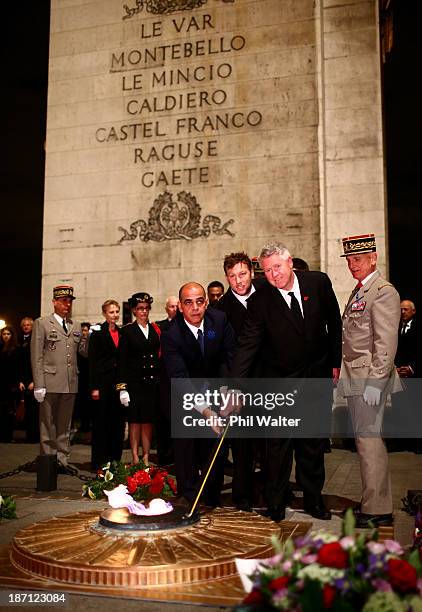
<point x="107" y="336"/>
<point x="139" y="333"/>
<point x="237" y="307"/>
<point x="209" y="333"/>
<point x="306" y="296"/>
<point x="369" y="284"/>
<point x="365" y="290"/>
<point x="57" y="325"/>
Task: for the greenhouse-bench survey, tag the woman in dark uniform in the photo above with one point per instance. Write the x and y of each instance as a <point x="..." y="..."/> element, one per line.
<point x="139" y="352"/>
<point x="108" y="418"/>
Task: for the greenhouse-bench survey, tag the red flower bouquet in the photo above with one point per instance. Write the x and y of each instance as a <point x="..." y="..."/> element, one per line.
<point x="143" y="482"/>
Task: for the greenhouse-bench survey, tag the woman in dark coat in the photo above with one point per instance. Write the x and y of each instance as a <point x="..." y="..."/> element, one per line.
<point x="138" y="383"/>
<point x="9" y="381"/>
<point x="108" y="420"/>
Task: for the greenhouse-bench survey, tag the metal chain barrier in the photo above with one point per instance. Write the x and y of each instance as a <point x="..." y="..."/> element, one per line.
<point x="72" y="471"/>
<point x="21" y="468"/>
<point x="64" y="469"/>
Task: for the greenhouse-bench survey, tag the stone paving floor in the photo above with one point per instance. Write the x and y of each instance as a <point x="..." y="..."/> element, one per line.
<point x="342" y="486"/>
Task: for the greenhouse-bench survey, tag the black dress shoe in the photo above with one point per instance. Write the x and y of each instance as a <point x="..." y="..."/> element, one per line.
<point x="368" y="521"/>
<point x="276" y="514"/>
<point x="319" y="511"/>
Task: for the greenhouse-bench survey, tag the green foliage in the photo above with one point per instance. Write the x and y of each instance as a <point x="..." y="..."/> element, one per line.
<point x="7" y="507"/>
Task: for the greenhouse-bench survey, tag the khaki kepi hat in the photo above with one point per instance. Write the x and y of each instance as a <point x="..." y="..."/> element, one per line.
<point x="354" y="245"/>
<point x="63" y="291"/>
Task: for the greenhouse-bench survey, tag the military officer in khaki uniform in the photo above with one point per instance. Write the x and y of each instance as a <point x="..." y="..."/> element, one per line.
<point x="370" y="322"/>
<point x="55" y="342"/>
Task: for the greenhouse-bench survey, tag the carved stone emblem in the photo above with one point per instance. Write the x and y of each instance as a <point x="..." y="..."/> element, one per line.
<point x="163" y="7"/>
<point x="180" y="220"/>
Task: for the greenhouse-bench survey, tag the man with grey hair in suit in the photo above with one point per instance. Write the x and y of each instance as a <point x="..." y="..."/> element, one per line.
<point x="370" y="322"/>
<point x="55" y="343"/>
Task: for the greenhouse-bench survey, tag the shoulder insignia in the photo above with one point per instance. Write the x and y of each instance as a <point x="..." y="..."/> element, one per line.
<point x="386" y="284"/>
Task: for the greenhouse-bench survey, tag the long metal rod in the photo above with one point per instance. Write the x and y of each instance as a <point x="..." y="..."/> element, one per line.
<point x="207" y="473"/>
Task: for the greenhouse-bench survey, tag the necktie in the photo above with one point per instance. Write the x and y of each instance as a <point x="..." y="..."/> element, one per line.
<point x="295" y="308"/>
<point x="358" y="286"/>
<point x="64" y="326"/>
<point x="404" y="328"/>
<point x="200" y="338"/>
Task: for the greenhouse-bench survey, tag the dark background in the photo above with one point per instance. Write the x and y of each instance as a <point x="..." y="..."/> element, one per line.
<point x="25" y="37"/>
<point x="403" y="147"/>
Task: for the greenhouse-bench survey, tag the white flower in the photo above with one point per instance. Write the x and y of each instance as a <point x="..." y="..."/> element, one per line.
<point x="1" y="500"/>
<point x="347" y="542"/>
<point x="325" y="575"/>
<point x="119" y="497"/>
<point x="390" y="602"/>
<point x="91" y="495"/>
<point x="108" y="476"/>
<point x="106" y="466"/>
<point x="324" y="536"/>
<point x="376" y="548"/>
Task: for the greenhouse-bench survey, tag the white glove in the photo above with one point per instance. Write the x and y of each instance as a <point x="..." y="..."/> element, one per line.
<point x="124" y="398"/>
<point x="372" y="396"/>
<point x="39" y="394"/>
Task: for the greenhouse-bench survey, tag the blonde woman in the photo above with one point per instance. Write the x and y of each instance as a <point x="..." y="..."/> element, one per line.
<point x="108" y="420"/>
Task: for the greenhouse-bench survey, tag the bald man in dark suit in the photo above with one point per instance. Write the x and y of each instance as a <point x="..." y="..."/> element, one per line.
<point x="199" y="344"/>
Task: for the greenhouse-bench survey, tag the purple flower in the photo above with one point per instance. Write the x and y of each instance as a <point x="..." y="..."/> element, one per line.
<point x="381" y="585"/>
<point x="342" y="584"/>
<point x="303" y="541"/>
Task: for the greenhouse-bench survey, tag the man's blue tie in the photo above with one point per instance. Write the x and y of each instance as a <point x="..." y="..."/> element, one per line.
<point x="200" y="338"/>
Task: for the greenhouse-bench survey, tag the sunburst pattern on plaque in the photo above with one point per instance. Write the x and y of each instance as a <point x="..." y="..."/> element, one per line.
<point x="76" y="550"/>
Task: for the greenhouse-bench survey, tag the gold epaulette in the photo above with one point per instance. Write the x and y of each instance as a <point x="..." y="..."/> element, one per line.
<point x="386" y="284"/>
<point x="121" y="387"/>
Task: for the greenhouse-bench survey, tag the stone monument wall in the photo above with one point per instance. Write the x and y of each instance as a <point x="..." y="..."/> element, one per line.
<point x="181" y="130"/>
